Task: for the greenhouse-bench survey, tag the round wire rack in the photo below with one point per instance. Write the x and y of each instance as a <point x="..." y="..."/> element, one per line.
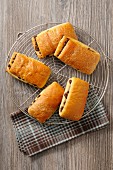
<point x="23" y="94"/>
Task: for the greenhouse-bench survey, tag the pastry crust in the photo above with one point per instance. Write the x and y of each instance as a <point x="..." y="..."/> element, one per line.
<point x="74" y="99"/>
<point x="47" y="102"/>
<point x="46" y="42"/>
<point x="28" y="70"/>
<point x="77" y="55"/>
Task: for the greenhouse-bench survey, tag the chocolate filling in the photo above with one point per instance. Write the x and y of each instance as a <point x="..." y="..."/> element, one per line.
<point x="39" y="95"/>
<point x="66" y="94"/>
<point x="21" y="79"/>
<point x="14" y="57"/>
<point x="91" y="50"/>
<point x="36" y="45"/>
<point x="9" y="66"/>
<point x="64" y="103"/>
<point x="36" y="48"/>
<point x="34" y="85"/>
<point x="65" y="43"/>
<point x="12" y="61"/>
<point x="33" y="101"/>
<point x="70" y="81"/>
<point x="61" y="109"/>
<point x="65" y="97"/>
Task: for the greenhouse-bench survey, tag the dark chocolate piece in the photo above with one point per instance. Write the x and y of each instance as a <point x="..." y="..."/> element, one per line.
<point x="34" y="85"/>
<point x="9" y="65"/>
<point x="36" y="45"/>
<point x="63" y="46"/>
<point x="14" y="57"/>
<point x="61" y="108"/>
<point x="64" y="103"/>
<point x="39" y="95"/>
<point x="70" y="81"/>
<point x="66" y="94"/>
<point x="36" y="48"/>
<point x="39" y="52"/>
<point x="90" y="49"/>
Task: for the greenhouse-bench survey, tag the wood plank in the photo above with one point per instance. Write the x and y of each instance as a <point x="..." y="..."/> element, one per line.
<point x="93" y="151"/>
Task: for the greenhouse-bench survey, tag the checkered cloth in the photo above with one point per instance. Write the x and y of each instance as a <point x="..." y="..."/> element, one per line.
<point x="33" y="137"/>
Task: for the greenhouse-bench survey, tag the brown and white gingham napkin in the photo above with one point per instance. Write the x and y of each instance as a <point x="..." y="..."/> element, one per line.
<point x="33" y="137"/>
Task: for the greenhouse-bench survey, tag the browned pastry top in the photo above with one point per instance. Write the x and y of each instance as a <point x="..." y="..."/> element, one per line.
<point x="46" y="42"/>
<point x="74" y="99"/>
<point x="77" y="55"/>
<point x="28" y="69"/>
<point x="47" y="102"/>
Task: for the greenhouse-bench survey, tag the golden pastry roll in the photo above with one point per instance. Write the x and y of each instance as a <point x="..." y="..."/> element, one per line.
<point x="45" y="43"/>
<point x="46" y="102"/>
<point x="78" y="55"/>
<point x="74" y="99"/>
<point x="28" y="70"/>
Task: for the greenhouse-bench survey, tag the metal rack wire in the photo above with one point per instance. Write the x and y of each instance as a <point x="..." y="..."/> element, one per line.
<point x="24" y="94"/>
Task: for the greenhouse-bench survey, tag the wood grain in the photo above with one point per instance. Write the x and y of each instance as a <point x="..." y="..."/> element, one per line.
<point x="93" y="151"/>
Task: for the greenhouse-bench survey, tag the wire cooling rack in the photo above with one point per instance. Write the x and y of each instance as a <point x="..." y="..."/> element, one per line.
<point x="23" y="94"/>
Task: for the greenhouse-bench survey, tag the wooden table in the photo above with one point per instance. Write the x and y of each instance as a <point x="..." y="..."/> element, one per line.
<point x="93" y="151"/>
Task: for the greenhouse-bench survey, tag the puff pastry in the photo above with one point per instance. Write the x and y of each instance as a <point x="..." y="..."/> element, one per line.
<point x="46" y="102"/>
<point x="46" y="42"/>
<point x="28" y="70"/>
<point x="74" y="99"/>
<point x="77" y="55"/>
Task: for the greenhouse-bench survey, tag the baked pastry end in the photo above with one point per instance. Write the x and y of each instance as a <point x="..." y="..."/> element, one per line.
<point x="35" y="45"/>
<point x="46" y="102"/>
<point x="28" y="70"/>
<point x="45" y="43"/>
<point x="74" y="99"/>
<point x="78" y="55"/>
